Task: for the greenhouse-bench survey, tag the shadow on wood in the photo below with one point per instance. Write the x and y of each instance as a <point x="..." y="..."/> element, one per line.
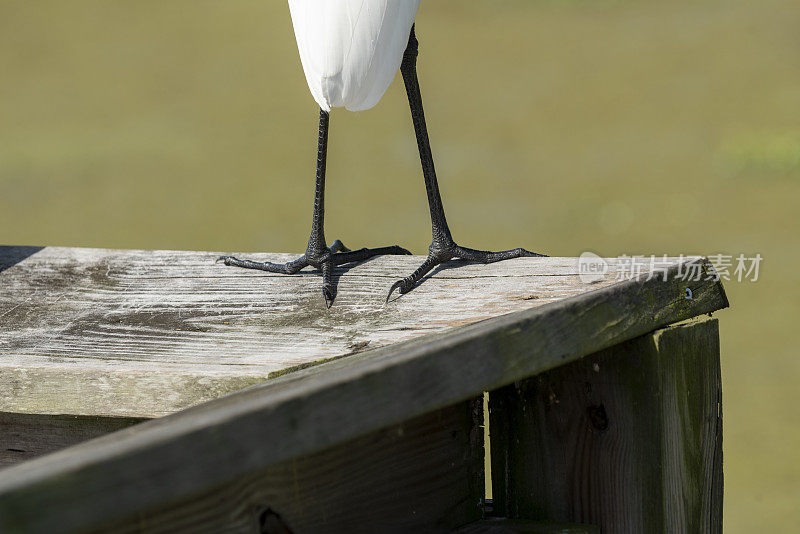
<point x="10" y="256"/>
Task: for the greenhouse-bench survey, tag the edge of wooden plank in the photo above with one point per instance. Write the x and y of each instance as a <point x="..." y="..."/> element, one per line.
<point x="162" y="460"/>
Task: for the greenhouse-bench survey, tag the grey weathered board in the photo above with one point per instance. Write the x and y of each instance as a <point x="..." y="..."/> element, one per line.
<point x="165" y="461"/>
<point x="146" y="333"/>
<point x="420" y="475"/>
<point x="629" y="438"/>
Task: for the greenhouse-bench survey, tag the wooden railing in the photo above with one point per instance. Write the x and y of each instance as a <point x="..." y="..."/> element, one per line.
<point x="604" y="398"/>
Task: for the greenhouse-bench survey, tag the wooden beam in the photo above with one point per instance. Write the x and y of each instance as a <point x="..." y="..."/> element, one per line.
<point x="629" y="438"/>
<point x="423" y="473"/>
<point x="165" y="460"/>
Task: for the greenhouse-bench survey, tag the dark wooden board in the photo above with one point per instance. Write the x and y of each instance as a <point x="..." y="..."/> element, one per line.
<point x="629" y="438"/>
<point x="26" y="436"/>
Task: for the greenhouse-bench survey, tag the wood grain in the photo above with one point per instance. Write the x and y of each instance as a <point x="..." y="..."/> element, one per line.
<point x="26" y="436"/>
<point x="423" y="475"/>
<point x="629" y="438"/>
<point x="170" y="458"/>
<point x="146" y="333"/>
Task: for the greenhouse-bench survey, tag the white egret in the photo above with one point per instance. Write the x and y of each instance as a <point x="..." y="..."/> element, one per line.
<point x="350" y="51"/>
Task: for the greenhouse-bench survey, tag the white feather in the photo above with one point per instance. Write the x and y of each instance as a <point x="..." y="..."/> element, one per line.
<point x="351" y="49"/>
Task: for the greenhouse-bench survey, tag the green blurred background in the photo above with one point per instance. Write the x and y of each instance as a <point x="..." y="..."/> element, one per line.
<point x="620" y="127"/>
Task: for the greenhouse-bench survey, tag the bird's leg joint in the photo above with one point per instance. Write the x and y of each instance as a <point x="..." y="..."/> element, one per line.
<point x="441" y="249"/>
<point x="317" y="252"/>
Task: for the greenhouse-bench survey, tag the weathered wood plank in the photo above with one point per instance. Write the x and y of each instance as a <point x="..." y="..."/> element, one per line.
<point x="26" y="436"/>
<point x="323" y="406"/>
<point x="423" y="475"/>
<point x="147" y="333"/>
<point x="629" y="438"/>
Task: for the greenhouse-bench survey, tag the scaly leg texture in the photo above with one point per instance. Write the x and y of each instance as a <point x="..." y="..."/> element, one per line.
<point x="442" y="248"/>
<point x="318" y="254"/>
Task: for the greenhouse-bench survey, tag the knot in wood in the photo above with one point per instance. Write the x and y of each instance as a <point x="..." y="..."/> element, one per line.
<point x="597" y="416"/>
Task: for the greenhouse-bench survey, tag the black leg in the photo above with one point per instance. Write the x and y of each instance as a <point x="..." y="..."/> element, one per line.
<point x="442" y="248"/>
<point x="318" y="254"/>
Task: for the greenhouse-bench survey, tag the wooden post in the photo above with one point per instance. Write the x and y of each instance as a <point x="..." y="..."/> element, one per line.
<point x="628" y="438"/>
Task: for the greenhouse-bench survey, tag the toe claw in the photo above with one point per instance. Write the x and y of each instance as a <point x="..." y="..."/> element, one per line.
<point x="330" y="294"/>
<point x="402" y="285"/>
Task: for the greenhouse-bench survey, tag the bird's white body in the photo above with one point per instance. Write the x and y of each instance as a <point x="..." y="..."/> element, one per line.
<point x="351" y="49"/>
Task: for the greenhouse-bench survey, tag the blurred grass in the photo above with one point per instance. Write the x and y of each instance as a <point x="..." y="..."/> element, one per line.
<point x="621" y="127"/>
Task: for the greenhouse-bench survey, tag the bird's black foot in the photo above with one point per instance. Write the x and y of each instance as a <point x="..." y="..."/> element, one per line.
<point x="324" y="259"/>
<point x="439" y="254"/>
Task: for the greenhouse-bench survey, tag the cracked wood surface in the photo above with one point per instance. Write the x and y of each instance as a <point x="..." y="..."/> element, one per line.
<point x="138" y="333"/>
